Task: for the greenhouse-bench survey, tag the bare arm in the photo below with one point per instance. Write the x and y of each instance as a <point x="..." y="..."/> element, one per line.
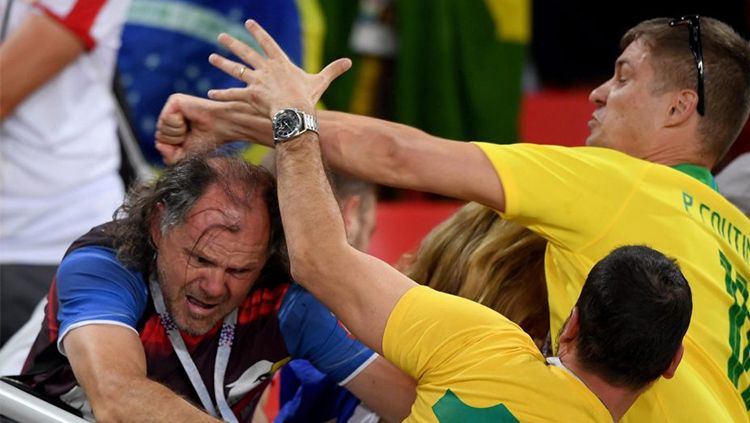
<point x="372" y="149"/>
<point x="385" y="389"/>
<point x="401" y="156"/>
<point x="32" y="55"/>
<point x="361" y="290"/>
<point x="110" y="365"/>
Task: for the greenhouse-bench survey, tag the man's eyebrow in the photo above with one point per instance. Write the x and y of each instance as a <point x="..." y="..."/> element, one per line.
<point x="195" y="252"/>
<point x="200" y="253"/>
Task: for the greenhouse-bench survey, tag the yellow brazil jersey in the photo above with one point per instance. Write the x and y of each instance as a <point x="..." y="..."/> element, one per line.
<point x="587" y="201"/>
<point x="474" y="365"/>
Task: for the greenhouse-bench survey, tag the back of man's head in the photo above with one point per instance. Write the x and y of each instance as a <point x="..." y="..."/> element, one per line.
<point x="357" y="199"/>
<point x="726" y="60"/>
<point x="634" y="310"/>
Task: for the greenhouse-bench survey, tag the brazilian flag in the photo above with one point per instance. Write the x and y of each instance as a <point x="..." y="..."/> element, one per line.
<point x="460" y="65"/>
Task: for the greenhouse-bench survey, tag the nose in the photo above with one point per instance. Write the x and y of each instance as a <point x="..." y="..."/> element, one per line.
<point x="599" y="95"/>
<point x="213" y="283"/>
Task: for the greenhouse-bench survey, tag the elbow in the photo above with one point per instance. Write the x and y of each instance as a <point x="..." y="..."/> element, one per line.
<point x="109" y="402"/>
<point x="316" y="263"/>
<point x="305" y="265"/>
<point x="396" y="161"/>
<point x="106" y="414"/>
<point x="109" y="412"/>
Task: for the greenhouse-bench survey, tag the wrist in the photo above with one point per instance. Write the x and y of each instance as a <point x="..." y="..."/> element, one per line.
<point x="290" y="123"/>
<point x="297" y="105"/>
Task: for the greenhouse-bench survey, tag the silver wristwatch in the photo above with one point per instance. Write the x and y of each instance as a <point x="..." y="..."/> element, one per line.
<point x="289" y="123"/>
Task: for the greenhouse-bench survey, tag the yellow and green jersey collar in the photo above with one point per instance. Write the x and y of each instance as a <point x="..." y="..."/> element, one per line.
<point x="700" y="173"/>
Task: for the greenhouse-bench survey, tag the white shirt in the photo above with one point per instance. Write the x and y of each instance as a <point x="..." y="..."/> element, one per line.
<point x="59" y="153"/>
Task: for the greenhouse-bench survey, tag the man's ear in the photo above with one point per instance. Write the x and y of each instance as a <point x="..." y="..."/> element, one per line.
<point x="570" y="330"/>
<point x="350" y="212"/>
<point x="675" y="362"/>
<point x="684" y="104"/>
<point x="155" y="225"/>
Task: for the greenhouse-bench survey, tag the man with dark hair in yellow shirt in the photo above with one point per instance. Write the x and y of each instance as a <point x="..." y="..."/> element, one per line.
<point x="678" y="99"/>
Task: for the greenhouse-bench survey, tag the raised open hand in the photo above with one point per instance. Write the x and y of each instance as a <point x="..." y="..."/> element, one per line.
<point x="273" y="81"/>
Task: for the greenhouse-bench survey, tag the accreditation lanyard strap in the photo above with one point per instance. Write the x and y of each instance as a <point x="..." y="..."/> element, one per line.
<point x="226" y="338"/>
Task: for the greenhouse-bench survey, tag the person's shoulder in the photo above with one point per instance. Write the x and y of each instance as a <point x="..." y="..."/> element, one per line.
<point x="559" y="151"/>
<point x="91" y="255"/>
<point x="263" y="300"/>
<point x="93" y="265"/>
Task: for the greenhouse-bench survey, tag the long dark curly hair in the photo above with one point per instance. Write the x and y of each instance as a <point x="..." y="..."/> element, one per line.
<point x="178" y="188"/>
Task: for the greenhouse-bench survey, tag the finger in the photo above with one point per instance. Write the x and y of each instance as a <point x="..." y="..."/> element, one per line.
<point x="229" y="94"/>
<point x="335" y="69"/>
<point x="170" y="154"/>
<point x="242" y="50"/>
<point x="231" y="68"/>
<point x="164" y="138"/>
<point x="265" y="41"/>
<point x="172" y="122"/>
<point x="330" y="73"/>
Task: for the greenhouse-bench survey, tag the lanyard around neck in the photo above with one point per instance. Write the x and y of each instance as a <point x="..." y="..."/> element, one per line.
<point x="226" y="338"/>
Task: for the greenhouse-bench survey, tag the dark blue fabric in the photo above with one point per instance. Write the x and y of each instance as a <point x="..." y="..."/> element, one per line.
<point x="166" y="44"/>
<point x="313" y="333"/>
<point x="307" y="395"/>
<point x="93" y="276"/>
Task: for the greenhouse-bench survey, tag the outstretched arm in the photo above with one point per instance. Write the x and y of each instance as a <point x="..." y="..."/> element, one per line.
<point x="372" y="149"/>
<point x="359" y="289"/>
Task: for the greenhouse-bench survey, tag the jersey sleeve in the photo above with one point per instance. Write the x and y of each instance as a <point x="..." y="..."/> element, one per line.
<point x="432" y="335"/>
<point x="569" y="196"/>
<point x="90" y="20"/>
<point x="313" y="333"/>
<point x="94" y="287"/>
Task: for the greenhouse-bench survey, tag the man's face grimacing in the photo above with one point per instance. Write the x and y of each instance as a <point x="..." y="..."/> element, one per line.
<point x="628" y="110"/>
<point x="207" y="264"/>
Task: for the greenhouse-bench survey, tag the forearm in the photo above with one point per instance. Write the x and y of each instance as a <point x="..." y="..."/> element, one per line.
<point x="370" y="148"/>
<point x="109" y="364"/>
<point x="395" y="155"/>
<point x="360" y="290"/>
<point x="145" y="400"/>
<point x="25" y="66"/>
<point x="385" y="389"/>
<point x="312" y="221"/>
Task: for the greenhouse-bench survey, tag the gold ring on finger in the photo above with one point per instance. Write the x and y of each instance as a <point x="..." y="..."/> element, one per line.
<point x="242" y="71"/>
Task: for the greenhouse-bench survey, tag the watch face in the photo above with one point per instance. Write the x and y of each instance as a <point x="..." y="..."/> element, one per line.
<point x="286" y="124"/>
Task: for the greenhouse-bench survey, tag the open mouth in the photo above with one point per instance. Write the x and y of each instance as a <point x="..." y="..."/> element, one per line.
<point x="199" y="306"/>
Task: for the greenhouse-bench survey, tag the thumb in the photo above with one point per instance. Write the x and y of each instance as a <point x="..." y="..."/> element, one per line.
<point x="334" y="70"/>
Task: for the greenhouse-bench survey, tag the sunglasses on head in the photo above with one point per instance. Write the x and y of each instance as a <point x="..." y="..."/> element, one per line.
<point x="693" y="23"/>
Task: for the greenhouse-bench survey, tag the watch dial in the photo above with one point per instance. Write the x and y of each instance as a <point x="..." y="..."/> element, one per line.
<point x="286" y="124"/>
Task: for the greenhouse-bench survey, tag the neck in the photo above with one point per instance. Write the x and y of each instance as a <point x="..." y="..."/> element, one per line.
<point x="617" y="400"/>
<point x="680" y="151"/>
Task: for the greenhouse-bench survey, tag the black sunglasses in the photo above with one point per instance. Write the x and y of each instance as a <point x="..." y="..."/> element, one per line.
<point x="694" y="27"/>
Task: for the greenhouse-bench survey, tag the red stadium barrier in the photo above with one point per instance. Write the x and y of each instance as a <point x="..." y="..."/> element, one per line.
<point x="401" y="225"/>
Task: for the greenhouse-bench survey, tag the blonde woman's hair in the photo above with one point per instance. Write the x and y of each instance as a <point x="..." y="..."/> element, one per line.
<point x="480" y="256"/>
